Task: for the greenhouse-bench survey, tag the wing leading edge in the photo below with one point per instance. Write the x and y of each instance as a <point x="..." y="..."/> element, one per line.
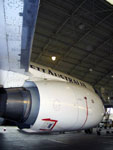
<point x="17" y="25"/>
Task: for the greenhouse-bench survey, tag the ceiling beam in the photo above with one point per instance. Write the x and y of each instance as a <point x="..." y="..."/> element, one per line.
<point x="104" y="76"/>
<point x="60" y="27"/>
<point x="83" y="50"/>
<point x="66" y="61"/>
<point x="68" y="18"/>
<point x="108" y="81"/>
<point x="94" y="66"/>
<point x="90" y="53"/>
<point x="93" y="13"/>
<point x="88" y="12"/>
<point x="84" y="36"/>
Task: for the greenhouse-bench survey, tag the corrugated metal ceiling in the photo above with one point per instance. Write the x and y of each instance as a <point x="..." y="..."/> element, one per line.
<point x="80" y="34"/>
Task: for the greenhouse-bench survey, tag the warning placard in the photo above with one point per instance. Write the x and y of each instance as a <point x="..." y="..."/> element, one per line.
<point x="48" y="124"/>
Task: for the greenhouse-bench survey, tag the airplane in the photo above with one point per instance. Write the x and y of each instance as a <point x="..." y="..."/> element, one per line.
<point x="37" y="98"/>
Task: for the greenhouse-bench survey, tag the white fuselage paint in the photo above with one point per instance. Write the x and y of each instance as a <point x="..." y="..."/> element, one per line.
<point x="65" y="105"/>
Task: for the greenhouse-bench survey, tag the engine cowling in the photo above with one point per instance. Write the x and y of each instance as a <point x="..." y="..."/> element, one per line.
<point x="65" y="106"/>
<point x="47" y="106"/>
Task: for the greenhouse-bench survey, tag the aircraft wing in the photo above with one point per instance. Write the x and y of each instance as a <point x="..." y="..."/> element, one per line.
<point x="17" y="25"/>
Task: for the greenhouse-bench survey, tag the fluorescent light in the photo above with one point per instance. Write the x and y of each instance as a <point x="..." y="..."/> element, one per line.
<point x="53" y="58"/>
<point x="108" y="98"/>
<point x="90" y="69"/>
<point x="110" y="1"/>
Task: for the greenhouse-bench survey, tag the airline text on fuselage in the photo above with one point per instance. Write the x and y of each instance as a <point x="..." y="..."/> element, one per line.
<point x="50" y="72"/>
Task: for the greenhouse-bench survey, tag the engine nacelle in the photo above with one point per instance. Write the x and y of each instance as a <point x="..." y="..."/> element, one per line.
<point x="65" y="106"/>
<point x="47" y="106"/>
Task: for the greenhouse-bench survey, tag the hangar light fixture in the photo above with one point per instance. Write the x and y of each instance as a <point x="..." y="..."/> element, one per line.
<point x="90" y="69"/>
<point x="110" y="1"/>
<point x="53" y="58"/>
<point x="111" y="76"/>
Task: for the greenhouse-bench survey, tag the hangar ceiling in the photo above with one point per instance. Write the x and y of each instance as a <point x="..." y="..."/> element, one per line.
<point x="80" y="34"/>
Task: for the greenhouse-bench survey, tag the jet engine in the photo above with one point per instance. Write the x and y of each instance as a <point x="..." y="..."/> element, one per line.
<point x="47" y="106"/>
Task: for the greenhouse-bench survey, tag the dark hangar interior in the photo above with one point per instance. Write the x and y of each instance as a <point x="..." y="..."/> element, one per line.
<point x="80" y="34"/>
